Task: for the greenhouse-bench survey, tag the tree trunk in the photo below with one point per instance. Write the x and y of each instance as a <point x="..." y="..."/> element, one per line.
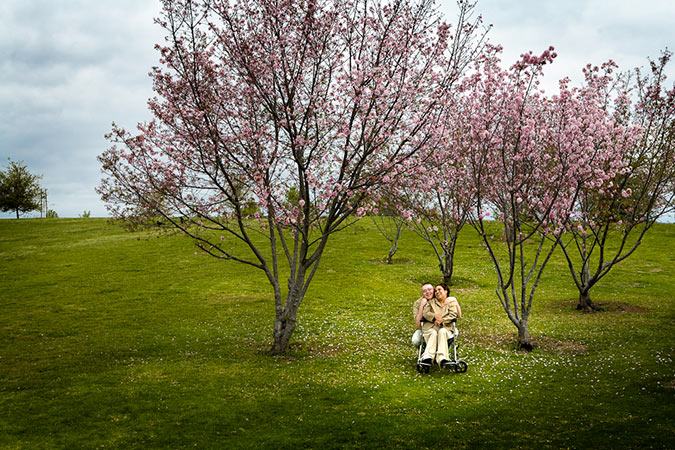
<point x="585" y="304"/>
<point x="394" y="242"/>
<point x="285" y="320"/>
<point x="448" y="267"/>
<point x="17" y="213"/>
<point x="524" y="339"/>
<point x="392" y="251"/>
<point x="283" y="329"/>
<point x="447" y="275"/>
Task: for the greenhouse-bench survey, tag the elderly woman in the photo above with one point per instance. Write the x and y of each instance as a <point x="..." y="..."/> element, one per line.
<point x="439" y="315"/>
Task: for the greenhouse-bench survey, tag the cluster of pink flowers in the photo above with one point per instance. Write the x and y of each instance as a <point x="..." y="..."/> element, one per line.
<point x="306" y="117"/>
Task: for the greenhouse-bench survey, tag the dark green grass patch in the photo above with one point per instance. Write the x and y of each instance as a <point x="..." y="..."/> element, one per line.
<point x="110" y="339"/>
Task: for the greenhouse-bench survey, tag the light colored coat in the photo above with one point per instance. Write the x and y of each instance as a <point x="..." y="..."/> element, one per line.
<point x="448" y="312"/>
<point x="416" y="306"/>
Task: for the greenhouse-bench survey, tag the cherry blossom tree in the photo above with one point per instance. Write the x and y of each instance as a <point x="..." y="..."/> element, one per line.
<point x="528" y="157"/>
<point x="504" y="146"/>
<point x="627" y="205"/>
<point x="438" y="200"/>
<point x="436" y="197"/>
<point x="303" y="107"/>
<point x="389" y="223"/>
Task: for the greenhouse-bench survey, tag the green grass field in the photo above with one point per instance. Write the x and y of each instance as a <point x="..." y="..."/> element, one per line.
<point x="111" y="339"/>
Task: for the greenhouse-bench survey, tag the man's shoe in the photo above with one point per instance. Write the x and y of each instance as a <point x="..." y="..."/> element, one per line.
<point x="426" y="362"/>
<point x="444" y="362"/>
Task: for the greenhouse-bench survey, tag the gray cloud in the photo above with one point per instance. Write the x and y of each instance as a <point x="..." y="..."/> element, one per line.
<point x="70" y="68"/>
<point x="67" y="70"/>
<point x="582" y="31"/>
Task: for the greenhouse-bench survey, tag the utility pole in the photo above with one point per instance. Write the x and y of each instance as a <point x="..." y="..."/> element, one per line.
<point x="43" y="203"/>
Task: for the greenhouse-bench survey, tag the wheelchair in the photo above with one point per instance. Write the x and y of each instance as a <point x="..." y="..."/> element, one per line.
<point x="454" y="364"/>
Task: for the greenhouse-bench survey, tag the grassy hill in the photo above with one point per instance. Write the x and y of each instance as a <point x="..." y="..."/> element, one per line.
<point x="111" y="339"/>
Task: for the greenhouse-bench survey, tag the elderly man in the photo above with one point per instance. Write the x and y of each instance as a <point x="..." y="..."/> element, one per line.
<point x="427" y="294"/>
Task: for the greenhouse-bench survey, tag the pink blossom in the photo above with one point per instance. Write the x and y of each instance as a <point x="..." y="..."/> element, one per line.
<point x="248" y="110"/>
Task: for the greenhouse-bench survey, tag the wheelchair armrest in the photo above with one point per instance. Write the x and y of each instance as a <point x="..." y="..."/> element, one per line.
<point x="455" y="330"/>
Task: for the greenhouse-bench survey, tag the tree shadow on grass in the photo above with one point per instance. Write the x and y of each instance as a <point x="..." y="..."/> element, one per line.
<point x="508" y="342"/>
<point x="602" y="307"/>
<point x="394" y="261"/>
<point x="458" y="283"/>
<point x="619" y="308"/>
<point x="299" y="350"/>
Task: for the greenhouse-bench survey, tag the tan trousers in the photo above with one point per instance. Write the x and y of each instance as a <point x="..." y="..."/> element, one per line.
<point x="437" y="344"/>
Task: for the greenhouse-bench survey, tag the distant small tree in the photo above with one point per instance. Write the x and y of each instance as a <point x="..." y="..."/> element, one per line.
<point x="85" y="215"/>
<point x="19" y="189"/>
<point x="439" y="201"/>
<point x="389" y="223"/>
<point x="51" y="214"/>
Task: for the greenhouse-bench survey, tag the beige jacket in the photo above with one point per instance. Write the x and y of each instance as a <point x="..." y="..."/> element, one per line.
<point x="448" y="313"/>
<point x="416" y="306"/>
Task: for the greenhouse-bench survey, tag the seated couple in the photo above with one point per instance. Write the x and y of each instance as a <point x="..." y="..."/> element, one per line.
<point x="435" y="313"/>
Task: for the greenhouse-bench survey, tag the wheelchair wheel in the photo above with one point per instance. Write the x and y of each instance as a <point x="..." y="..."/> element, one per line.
<point x="422" y="368"/>
<point x="461" y="366"/>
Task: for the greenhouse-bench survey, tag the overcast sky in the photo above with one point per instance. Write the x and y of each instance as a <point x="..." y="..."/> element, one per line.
<point x="69" y="68"/>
